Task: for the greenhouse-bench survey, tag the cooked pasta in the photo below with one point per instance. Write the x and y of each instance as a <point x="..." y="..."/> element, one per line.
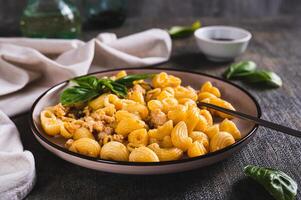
<point x="143" y="154"/>
<point x="138" y="136"/>
<point x="50" y="123"/>
<point x="85" y="146"/>
<point x="222" y="103"/>
<point x="208" y="87"/>
<point x="196" y="149"/>
<point x="82" y="132"/>
<point x="179" y="136"/>
<point x="193" y="118"/>
<point x="64" y="130"/>
<point x="114" y="151"/>
<point x="200" y="137"/>
<point x="221" y="140"/>
<point x="166" y="142"/>
<point x="230" y="127"/>
<point x="212" y="130"/>
<point x="154" y="121"/>
<point x="178" y="113"/>
<point x="166" y="154"/>
<point x="162" y="131"/>
<point x="125" y="126"/>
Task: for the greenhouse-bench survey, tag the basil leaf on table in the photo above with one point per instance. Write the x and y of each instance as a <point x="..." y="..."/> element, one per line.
<point x="240" y="69"/>
<point x="246" y="71"/>
<point x="182" y="31"/>
<point x="266" y="77"/>
<point x="77" y="94"/>
<point x="277" y="183"/>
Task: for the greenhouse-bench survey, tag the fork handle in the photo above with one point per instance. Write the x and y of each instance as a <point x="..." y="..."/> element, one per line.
<point x="256" y="120"/>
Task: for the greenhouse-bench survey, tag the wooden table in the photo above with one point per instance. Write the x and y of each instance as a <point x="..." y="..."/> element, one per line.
<point x="276" y="45"/>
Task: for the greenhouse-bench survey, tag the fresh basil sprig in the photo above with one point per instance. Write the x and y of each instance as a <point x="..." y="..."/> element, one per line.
<point x="277" y="183"/>
<point x="89" y="82"/>
<point x="110" y="85"/>
<point x="240" y="69"/>
<point x="89" y="87"/>
<point x="77" y="94"/>
<point x="128" y="80"/>
<point x="246" y="71"/>
<point x="183" y="31"/>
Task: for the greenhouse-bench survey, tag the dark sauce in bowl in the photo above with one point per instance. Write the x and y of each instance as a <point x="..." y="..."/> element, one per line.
<point x="222" y="39"/>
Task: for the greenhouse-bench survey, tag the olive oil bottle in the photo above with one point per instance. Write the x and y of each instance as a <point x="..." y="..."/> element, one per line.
<point x="50" y="19"/>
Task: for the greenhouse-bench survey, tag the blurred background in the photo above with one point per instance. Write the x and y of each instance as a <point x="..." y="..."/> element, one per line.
<point x="146" y="11"/>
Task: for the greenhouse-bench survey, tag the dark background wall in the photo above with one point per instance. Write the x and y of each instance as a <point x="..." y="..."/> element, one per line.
<point x="10" y="10"/>
<point x="216" y="8"/>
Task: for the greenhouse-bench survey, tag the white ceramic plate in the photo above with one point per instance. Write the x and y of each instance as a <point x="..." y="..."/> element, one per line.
<point x="241" y="99"/>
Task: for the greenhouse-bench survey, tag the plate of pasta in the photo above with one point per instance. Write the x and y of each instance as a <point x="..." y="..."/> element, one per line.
<point x="143" y="120"/>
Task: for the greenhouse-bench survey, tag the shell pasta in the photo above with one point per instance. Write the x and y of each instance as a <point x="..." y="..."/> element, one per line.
<point x="142" y="121"/>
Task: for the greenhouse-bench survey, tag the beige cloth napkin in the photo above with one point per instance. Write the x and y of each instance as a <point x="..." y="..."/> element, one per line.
<point x="17" y="168"/>
<point x="28" y="67"/>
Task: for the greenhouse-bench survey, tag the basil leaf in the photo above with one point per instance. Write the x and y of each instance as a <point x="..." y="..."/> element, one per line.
<point x="90" y="82"/>
<point x="246" y="70"/>
<point x="241" y="69"/>
<point x="128" y="80"/>
<point x="89" y="87"/>
<point x="120" y="89"/>
<point x="266" y="77"/>
<point x="182" y="31"/>
<point x="116" y="88"/>
<point x="277" y="183"/>
<point x="77" y="94"/>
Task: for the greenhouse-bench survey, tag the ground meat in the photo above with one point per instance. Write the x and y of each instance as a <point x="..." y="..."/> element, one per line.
<point x="98" y="126"/>
<point x="152" y="94"/>
<point x="71" y="127"/>
<point x="89" y="123"/>
<point x="101" y="115"/>
<point x="138" y="88"/>
<point x="118" y="138"/>
<point x="59" y="110"/>
<point x="101" y="135"/>
<point x="105" y="138"/>
<point x="108" y="130"/>
<point x="96" y="115"/>
<point x="108" y="119"/>
<point x="145" y="86"/>
<point x="157" y="118"/>
<point x="69" y="143"/>
<point x="87" y="111"/>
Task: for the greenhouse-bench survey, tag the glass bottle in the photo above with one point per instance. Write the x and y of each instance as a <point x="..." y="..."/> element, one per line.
<point x="105" y="13"/>
<point x="50" y="19"/>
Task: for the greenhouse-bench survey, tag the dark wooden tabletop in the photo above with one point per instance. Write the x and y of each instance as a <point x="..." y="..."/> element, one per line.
<point x="276" y="45"/>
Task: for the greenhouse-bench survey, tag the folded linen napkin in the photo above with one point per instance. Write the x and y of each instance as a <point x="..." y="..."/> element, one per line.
<point x="30" y="66"/>
<point x="26" y="69"/>
<point x="17" y="169"/>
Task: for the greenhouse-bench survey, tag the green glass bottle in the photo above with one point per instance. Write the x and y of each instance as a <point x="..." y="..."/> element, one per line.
<point x="105" y="13"/>
<point x="50" y="19"/>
